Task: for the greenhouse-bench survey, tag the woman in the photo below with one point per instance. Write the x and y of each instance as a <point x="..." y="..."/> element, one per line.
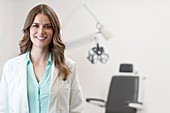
<point x="41" y="79"/>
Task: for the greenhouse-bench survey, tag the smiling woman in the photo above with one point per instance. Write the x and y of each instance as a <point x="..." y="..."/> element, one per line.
<point x="41" y="79"/>
<point x="41" y="32"/>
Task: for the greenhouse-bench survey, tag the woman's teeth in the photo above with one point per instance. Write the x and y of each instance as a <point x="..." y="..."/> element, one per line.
<point x="41" y="38"/>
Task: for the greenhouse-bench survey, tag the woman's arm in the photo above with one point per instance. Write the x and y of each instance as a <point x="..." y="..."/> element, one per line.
<point x="76" y="98"/>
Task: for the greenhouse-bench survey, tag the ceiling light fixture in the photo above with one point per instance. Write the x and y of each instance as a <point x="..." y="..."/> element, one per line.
<point x="97" y="53"/>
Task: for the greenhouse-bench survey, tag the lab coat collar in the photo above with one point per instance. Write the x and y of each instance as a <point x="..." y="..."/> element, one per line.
<point x="23" y="63"/>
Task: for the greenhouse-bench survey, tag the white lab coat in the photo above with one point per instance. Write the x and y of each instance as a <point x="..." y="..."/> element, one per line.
<point x="65" y="96"/>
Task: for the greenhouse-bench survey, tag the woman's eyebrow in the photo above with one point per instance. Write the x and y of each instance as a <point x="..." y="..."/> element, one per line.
<point x="43" y="24"/>
<point x="35" y="23"/>
<point x="47" y="24"/>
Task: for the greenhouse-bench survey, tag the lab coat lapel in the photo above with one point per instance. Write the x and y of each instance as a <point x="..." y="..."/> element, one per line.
<point x="55" y="73"/>
<point x="23" y="73"/>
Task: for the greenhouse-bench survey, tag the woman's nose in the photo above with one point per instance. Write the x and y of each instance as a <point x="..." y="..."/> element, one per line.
<point x="41" y="30"/>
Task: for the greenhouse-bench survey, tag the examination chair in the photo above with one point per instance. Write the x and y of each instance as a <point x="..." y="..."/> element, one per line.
<point x="123" y="96"/>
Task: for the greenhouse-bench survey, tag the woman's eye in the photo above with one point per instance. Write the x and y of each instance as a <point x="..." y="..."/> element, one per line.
<point x="47" y="26"/>
<point x="36" y="26"/>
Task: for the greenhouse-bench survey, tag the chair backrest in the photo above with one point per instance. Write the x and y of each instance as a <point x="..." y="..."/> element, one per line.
<point x="123" y="89"/>
<point x="126" y="68"/>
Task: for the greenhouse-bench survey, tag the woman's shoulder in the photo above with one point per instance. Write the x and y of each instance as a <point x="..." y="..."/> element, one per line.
<point x="70" y="62"/>
<point x="16" y="59"/>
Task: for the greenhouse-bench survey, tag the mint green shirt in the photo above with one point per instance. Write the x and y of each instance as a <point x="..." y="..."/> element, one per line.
<point x="38" y="93"/>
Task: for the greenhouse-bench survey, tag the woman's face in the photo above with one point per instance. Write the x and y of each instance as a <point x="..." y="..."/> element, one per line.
<point x="41" y="32"/>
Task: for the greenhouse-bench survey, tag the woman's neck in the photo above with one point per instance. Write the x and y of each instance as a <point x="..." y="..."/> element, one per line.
<point x="39" y="56"/>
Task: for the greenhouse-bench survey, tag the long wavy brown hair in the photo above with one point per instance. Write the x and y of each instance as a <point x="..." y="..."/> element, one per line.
<point x="56" y="46"/>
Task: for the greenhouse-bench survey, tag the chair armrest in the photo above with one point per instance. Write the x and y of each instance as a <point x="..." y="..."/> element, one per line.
<point x="100" y="102"/>
<point x="137" y="105"/>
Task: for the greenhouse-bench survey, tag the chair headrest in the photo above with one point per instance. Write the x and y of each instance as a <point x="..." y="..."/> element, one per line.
<point x="126" y="68"/>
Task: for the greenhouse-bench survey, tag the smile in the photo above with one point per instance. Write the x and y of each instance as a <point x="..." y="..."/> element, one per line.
<point x="41" y="37"/>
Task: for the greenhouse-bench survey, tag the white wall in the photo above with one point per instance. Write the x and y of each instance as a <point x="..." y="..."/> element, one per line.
<point x="141" y="36"/>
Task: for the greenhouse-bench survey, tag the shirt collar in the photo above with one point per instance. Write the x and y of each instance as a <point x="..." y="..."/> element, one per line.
<point x="29" y="60"/>
<point x="28" y="57"/>
<point x="49" y="59"/>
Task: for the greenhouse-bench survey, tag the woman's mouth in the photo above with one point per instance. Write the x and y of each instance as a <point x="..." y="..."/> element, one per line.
<point x="41" y="37"/>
